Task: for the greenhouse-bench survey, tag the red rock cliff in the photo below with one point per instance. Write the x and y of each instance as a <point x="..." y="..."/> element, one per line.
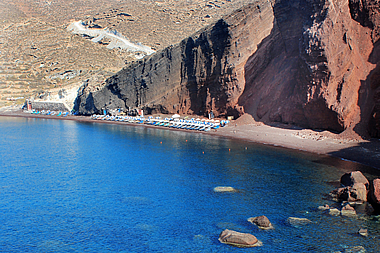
<point x="312" y="63"/>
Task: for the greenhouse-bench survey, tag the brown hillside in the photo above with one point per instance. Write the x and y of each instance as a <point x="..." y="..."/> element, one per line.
<point x="39" y="58"/>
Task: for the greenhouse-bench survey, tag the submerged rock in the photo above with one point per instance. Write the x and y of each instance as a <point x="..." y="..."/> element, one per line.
<point x="224" y="189"/>
<point x="324" y="207"/>
<point x="348" y="210"/>
<point x="238" y="239"/>
<point x="334" y="212"/>
<point x="261" y="221"/>
<point x="369" y="210"/>
<point x="363" y="232"/>
<point x="297" y="222"/>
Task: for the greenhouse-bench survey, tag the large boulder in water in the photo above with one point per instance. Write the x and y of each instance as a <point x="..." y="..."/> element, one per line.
<point x="261" y="221"/>
<point x="354" y="193"/>
<point x="358" y="192"/>
<point x="238" y="239"/>
<point x="351" y="178"/>
<point x="374" y="194"/>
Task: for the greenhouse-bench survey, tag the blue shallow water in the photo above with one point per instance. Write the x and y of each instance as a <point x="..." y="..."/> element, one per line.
<point x="84" y="187"/>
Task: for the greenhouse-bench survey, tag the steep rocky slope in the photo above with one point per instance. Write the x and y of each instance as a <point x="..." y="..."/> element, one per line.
<point x="204" y="72"/>
<point x="312" y="63"/>
<point x="367" y="13"/>
<point x="318" y="78"/>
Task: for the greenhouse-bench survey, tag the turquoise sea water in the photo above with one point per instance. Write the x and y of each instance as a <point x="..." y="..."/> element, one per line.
<point x="67" y="186"/>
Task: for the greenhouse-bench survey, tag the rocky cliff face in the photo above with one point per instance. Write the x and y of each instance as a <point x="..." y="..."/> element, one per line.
<point x="204" y="72"/>
<point x="312" y="63"/>
<point x="319" y="73"/>
<point x="367" y="13"/>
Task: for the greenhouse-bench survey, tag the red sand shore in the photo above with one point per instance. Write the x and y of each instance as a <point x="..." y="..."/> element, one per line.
<point x="366" y="152"/>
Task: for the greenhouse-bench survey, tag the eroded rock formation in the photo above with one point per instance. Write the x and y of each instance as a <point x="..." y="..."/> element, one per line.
<point x="319" y="77"/>
<point x="202" y="73"/>
<point x="312" y="63"/>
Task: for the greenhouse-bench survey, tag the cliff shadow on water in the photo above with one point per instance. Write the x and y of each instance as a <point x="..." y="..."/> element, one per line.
<point x="367" y="153"/>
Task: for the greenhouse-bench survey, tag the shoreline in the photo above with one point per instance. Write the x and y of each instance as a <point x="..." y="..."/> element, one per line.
<point x="365" y="152"/>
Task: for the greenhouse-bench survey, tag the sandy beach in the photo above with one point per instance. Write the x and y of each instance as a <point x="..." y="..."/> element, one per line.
<point x="366" y="152"/>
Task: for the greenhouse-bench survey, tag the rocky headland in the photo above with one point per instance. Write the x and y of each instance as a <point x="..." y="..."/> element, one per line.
<point x="308" y="63"/>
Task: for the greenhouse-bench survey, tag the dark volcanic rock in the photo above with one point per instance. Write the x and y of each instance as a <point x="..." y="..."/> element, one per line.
<point x="357" y="192"/>
<point x="351" y="178"/>
<point x="355" y="188"/>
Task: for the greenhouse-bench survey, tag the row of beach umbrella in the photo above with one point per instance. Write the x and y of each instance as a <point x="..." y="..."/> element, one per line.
<point x="172" y="122"/>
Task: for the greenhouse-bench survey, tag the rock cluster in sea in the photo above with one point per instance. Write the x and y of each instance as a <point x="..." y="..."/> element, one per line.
<point x="355" y="190"/>
<point x="239" y="239"/>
